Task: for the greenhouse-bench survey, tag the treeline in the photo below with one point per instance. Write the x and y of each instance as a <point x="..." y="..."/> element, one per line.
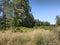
<point x="17" y="13"/>
<point x="41" y="23"/>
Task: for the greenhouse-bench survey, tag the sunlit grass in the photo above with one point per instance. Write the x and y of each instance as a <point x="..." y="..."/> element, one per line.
<point x="36" y="37"/>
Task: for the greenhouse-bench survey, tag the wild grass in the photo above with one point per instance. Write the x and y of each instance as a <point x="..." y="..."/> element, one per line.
<point x="45" y="27"/>
<point x="45" y="38"/>
<point x="25" y="29"/>
<point x="36" y="37"/>
<point x="57" y="32"/>
<point x="20" y="29"/>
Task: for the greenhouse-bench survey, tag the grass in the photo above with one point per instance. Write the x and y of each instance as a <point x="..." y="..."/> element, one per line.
<point x="45" y="38"/>
<point x="35" y="37"/>
<point x="57" y="31"/>
<point x="43" y="35"/>
<point x="45" y="27"/>
<point x="25" y="29"/>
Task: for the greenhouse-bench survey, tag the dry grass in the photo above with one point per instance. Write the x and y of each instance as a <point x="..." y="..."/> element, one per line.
<point x="36" y="37"/>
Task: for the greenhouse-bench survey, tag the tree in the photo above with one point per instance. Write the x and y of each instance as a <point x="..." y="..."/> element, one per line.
<point x="37" y="22"/>
<point x="5" y="7"/>
<point x="6" y="13"/>
<point x="57" y="20"/>
<point x="46" y="24"/>
<point x="29" y="21"/>
<point x="16" y="13"/>
<point x="22" y="13"/>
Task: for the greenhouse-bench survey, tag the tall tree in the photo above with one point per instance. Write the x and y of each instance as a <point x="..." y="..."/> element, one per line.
<point x="6" y="13"/>
<point x="22" y="12"/>
<point x="57" y="20"/>
<point x="16" y="13"/>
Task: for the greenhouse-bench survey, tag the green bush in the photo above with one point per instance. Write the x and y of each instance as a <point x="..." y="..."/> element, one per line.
<point x="17" y="30"/>
<point x="45" y="27"/>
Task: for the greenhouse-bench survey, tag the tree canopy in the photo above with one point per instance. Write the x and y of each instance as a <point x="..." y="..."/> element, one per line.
<point x="17" y="13"/>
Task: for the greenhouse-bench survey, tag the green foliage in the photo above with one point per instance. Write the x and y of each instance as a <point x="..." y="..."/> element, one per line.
<point x="57" y="20"/>
<point x="17" y="29"/>
<point x="29" y="21"/>
<point x="37" y="23"/>
<point x="45" y="27"/>
<point x="17" y="13"/>
<point x="22" y="29"/>
<point x="41" y="23"/>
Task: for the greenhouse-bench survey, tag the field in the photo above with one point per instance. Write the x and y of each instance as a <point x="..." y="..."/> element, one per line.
<point x="34" y="36"/>
<point x="27" y="22"/>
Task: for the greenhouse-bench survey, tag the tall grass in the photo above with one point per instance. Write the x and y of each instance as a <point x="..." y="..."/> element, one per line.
<point x="36" y="37"/>
<point x="45" y="38"/>
<point x="45" y="27"/>
<point x="57" y="32"/>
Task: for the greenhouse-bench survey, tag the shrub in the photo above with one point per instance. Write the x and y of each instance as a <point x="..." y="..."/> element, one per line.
<point x="17" y="30"/>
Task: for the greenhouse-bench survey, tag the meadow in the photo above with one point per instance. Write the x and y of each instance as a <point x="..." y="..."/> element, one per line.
<point x="18" y="26"/>
<point x="31" y="36"/>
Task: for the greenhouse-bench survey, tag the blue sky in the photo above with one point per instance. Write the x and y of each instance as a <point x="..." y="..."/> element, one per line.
<point x="45" y="10"/>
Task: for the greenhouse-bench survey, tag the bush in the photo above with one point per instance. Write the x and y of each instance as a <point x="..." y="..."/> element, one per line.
<point x="17" y="30"/>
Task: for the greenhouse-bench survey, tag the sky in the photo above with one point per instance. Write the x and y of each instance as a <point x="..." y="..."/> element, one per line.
<point x="45" y="10"/>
